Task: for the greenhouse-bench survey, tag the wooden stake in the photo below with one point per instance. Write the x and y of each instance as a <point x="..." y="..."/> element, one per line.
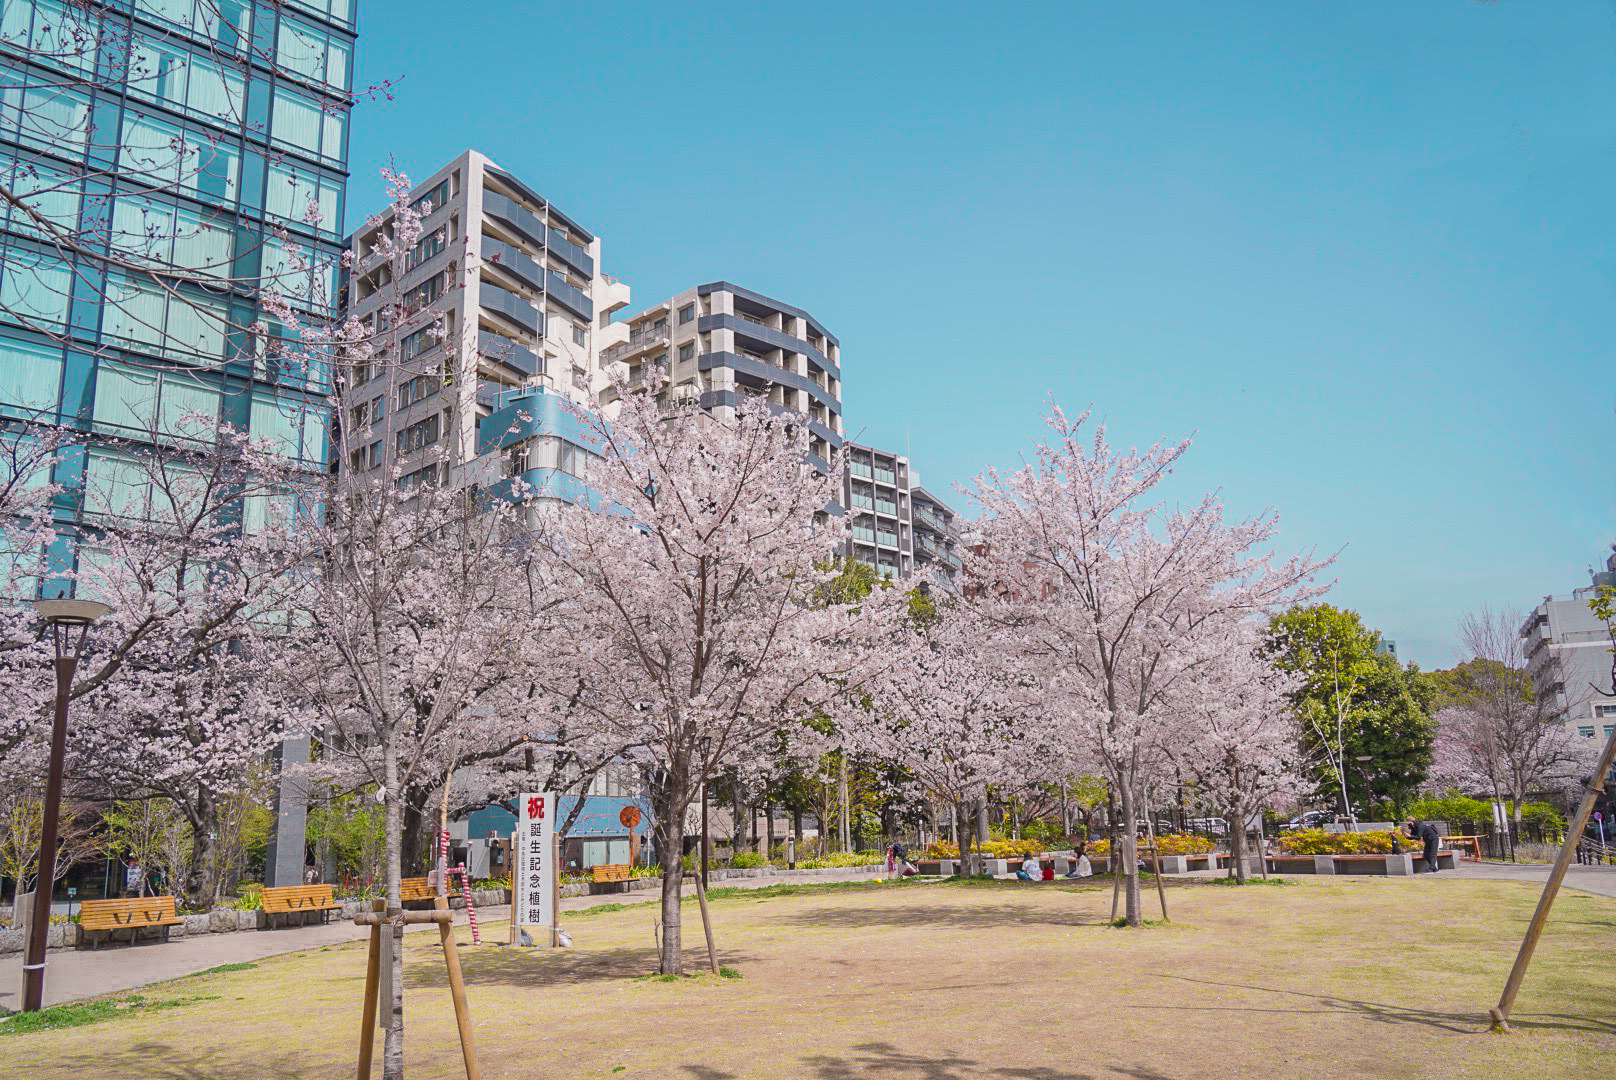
<point x="706" y="924"/>
<point x="1596" y="788"/>
<point x="457" y="988"/>
<point x="1262" y="850"/>
<point x="373" y="972"/>
<point x="555" y="889"/>
<point x="1155" y="855"/>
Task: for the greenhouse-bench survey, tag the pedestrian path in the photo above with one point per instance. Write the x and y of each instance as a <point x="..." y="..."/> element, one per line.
<point x="83" y="973"/>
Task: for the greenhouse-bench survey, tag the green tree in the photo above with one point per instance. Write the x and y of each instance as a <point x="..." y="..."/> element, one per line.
<point x="1366" y="720"/>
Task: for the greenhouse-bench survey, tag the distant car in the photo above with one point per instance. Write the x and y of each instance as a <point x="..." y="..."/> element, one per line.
<point x="1216" y="826"/>
<point x="1313" y="819"/>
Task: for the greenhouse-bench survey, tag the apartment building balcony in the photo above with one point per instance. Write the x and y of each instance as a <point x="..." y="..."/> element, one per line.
<point x="763" y="372"/>
<point x="569" y="295"/>
<point x="765" y="336"/>
<point x="615" y="295"/>
<point x="533" y="227"/>
<point x="512" y="354"/>
<point x="638" y="341"/>
<point x="515" y="261"/>
<point x="511" y="306"/>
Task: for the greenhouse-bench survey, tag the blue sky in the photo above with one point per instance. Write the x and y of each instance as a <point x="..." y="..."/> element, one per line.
<point x="1362" y="252"/>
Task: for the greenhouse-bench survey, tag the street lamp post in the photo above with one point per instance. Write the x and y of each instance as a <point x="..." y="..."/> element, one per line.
<point x="63" y="617"/>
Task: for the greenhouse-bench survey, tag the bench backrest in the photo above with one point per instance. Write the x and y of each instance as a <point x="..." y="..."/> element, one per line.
<point x="281" y="899"/>
<point x="129" y="911"/>
<point x="418" y="888"/>
<point x="610" y="872"/>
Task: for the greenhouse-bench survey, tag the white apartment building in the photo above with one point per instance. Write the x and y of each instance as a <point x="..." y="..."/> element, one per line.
<point x="1568" y="655"/>
<point x="936" y="534"/>
<point x="518" y="287"/>
<point x="877" y="497"/>
<point x="719" y="341"/>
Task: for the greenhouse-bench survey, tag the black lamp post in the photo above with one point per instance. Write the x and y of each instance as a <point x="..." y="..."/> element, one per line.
<point x="63" y="617"/>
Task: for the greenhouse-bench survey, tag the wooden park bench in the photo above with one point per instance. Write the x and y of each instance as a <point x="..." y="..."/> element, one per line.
<point x="613" y="874"/>
<point x="135" y="913"/>
<point x="299" y="900"/>
<point x="416" y="890"/>
<point x="1472" y="843"/>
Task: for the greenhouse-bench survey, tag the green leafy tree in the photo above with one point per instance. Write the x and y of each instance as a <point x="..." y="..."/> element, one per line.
<point x="1366" y="720"/>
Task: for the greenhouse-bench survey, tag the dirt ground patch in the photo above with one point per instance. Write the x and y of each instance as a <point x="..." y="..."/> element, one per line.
<point x="1342" y="978"/>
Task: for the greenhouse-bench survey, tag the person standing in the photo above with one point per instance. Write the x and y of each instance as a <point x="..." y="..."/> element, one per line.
<point x="1426" y="833"/>
<point x="134" y="878"/>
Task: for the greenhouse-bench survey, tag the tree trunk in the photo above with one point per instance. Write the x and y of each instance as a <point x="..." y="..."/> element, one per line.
<point x="668" y="832"/>
<point x="768" y="825"/>
<point x="393" y="1047"/>
<point x="962" y="833"/>
<point x="796" y="825"/>
<point x="742" y="840"/>
<point x="1237" y="846"/>
<point x="1129" y="857"/>
<point x="412" y="844"/>
<point x="846" y="834"/>
<point x="199" y="876"/>
<point x="982" y="832"/>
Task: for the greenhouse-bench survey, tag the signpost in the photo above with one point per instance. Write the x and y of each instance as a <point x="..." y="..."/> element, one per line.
<point x="536" y="882"/>
<point x="629" y="818"/>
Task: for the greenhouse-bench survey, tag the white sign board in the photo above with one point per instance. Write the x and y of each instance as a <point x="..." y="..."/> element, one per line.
<point x="533" y="894"/>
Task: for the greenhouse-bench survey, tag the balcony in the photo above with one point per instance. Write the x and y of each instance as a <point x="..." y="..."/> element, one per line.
<point x="512" y="354"/>
<point x="570" y="253"/>
<point x="512" y="306"/>
<point x="517" y="262"/>
<point x="569" y="295"/>
<point x="638" y="341"/>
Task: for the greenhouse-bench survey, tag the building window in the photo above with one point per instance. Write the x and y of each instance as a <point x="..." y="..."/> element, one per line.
<point x="1605" y="710"/>
<point x="418" y="435"/>
<point x="687" y="350"/>
<point x="417" y="389"/>
<point x="426" y="247"/>
<point x="1610" y="729"/>
<point x="577" y="334"/>
<point x="432" y="200"/>
<point x="1586" y="732"/>
<point x="417" y="343"/>
<point x="687" y="313"/>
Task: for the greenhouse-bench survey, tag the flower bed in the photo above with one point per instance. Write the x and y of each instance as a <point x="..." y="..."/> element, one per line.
<point x="1167" y="844"/>
<point x="1319" y="842"/>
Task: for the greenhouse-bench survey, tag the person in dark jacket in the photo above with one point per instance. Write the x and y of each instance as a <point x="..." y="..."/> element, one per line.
<point x="1426" y="833"/>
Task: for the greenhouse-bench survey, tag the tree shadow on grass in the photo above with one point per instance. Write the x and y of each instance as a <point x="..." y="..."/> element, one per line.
<point x="168" y="1061"/>
<point x="940" y="916"/>
<point x="879" y="1058"/>
<point x="526" y="968"/>
<point x="1462" y="1023"/>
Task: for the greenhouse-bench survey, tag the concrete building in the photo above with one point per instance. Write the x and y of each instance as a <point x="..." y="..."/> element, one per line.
<point x="1568" y="655"/>
<point x="936" y="535"/>
<point x="519" y="291"/>
<point x="719" y="341"/>
<point x="877" y="497"/>
<point x="203" y="163"/>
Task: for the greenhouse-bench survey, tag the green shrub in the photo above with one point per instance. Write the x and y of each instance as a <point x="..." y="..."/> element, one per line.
<point x="1319" y="842"/>
<point x="747" y="860"/>
<point x="1451" y="807"/>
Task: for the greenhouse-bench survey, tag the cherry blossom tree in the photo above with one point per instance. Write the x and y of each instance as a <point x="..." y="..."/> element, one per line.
<point x="1242" y="746"/>
<point x="698" y="575"/>
<point x="1119" y="597"/>
<point x="958" y="715"/>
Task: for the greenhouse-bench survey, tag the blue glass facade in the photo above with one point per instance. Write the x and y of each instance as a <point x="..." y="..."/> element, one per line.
<point x="213" y="148"/>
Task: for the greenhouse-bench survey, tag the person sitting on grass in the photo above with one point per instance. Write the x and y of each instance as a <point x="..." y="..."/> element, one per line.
<point x="1030" y="870"/>
<point x="1081" y="868"/>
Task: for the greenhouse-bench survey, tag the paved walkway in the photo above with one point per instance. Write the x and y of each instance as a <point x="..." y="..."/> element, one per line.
<point x="1600" y="880"/>
<point x="74" y="974"/>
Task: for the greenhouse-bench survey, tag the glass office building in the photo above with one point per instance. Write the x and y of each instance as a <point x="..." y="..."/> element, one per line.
<point x="206" y="139"/>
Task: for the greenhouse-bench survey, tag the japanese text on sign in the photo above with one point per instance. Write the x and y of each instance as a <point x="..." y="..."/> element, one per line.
<point x="534" y="894"/>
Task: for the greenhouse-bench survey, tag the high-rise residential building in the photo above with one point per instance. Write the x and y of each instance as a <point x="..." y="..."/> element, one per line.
<point x="719" y="341"/>
<point x="509" y="298"/>
<point x="194" y="151"/>
<point x="876" y="494"/>
<point x="1568" y="656"/>
<point x="898" y="526"/>
<point x="936" y="535"/>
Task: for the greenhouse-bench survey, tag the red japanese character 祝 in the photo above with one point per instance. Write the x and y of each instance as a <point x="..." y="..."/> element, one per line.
<point x="535" y="806"/>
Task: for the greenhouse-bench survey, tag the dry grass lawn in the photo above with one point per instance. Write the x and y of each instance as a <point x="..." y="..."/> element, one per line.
<point x="1325" y="978"/>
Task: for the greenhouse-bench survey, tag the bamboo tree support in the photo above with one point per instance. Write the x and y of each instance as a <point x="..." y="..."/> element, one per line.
<point x="1116" y="852"/>
<point x="1155" y="862"/>
<point x="701" y="888"/>
<point x="1551" y="889"/>
<point x="380" y="924"/>
<point x="1262" y="850"/>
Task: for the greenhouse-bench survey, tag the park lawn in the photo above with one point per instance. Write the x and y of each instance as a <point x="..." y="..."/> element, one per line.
<point x="1343" y="977"/>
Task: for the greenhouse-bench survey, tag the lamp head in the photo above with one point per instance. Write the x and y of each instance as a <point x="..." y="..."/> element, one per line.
<point x="71" y="612"/>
